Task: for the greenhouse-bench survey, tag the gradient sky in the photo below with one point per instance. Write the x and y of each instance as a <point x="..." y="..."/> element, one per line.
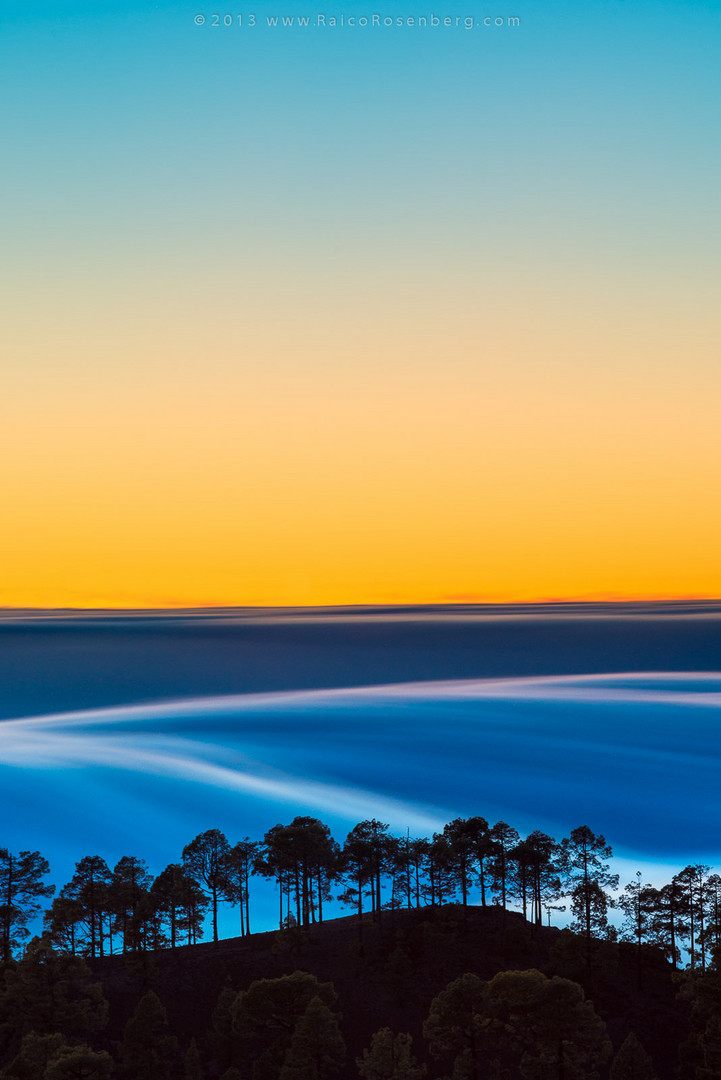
<point x="316" y="316"/>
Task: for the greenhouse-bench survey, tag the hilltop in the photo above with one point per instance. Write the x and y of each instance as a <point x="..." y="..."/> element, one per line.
<point x="387" y="974"/>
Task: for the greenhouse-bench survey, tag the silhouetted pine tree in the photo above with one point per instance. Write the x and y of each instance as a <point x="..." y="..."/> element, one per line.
<point x="548" y="1022"/>
<point x="273" y="861"/>
<point x="265" y="1015"/>
<point x="35" y="1053"/>
<point x="632" y="1062"/>
<point x="79" y="1063"/>
<point x="128" y="888"/>
<point x="178" y="904"/>
<point x="584" y="866"/>
<point x="223" y="1038"/>
<point x="148" y="1050"/>
<point x="712" y="930"/>
<point x="62" y="923"/>
<point x="692" y="883"/>
<point x="637" y="902"/>
<point x="240" y="865"/>
<point x="532" y="875"/>
<point x="454" y="1027"/>
<point x="486" y="850"/>
<point x="356" y="867"/>
<point x="668" y="926"/>
<point x="440" y="868"/>
<point x="205" y="858"/>
<point x="390" y="1057"/>
<point x="367" y="856"/>
<point x="89" y="886"/>
<point x="418" y="854"/>
<point x="311" y="855"/>
<point x="461" y="834"/>
<point x="542" y="853"/>
<point x="193" y="1064"/>
<point x="401" y="890"/>
<point x="21" y="888"/>
<point x="505" y="838"/>
<point x="317" y="1049"/>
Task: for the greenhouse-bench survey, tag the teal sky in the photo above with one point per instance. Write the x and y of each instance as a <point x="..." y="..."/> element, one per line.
<point x="583" y="124"/>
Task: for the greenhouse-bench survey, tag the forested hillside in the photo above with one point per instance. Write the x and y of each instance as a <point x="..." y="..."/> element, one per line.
<point x="444" y="968"/>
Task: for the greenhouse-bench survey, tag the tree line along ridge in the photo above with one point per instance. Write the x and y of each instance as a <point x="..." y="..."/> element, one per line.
<point x="125" y="909"/>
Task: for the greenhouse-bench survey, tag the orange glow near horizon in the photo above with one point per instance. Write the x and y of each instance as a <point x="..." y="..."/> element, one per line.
<point x="503" y="472"/>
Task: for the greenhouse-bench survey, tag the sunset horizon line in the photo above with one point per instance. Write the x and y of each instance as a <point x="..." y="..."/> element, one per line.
<point x="596" y="599"/>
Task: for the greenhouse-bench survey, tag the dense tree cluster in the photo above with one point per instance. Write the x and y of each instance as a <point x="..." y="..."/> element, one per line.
<point x="546" y="1024"/>
<point x="124" y="909"/>
<point x="517" y="1024"/>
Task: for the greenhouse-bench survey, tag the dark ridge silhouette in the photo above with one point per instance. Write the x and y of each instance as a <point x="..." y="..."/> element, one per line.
<point x="389" y="976"/>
